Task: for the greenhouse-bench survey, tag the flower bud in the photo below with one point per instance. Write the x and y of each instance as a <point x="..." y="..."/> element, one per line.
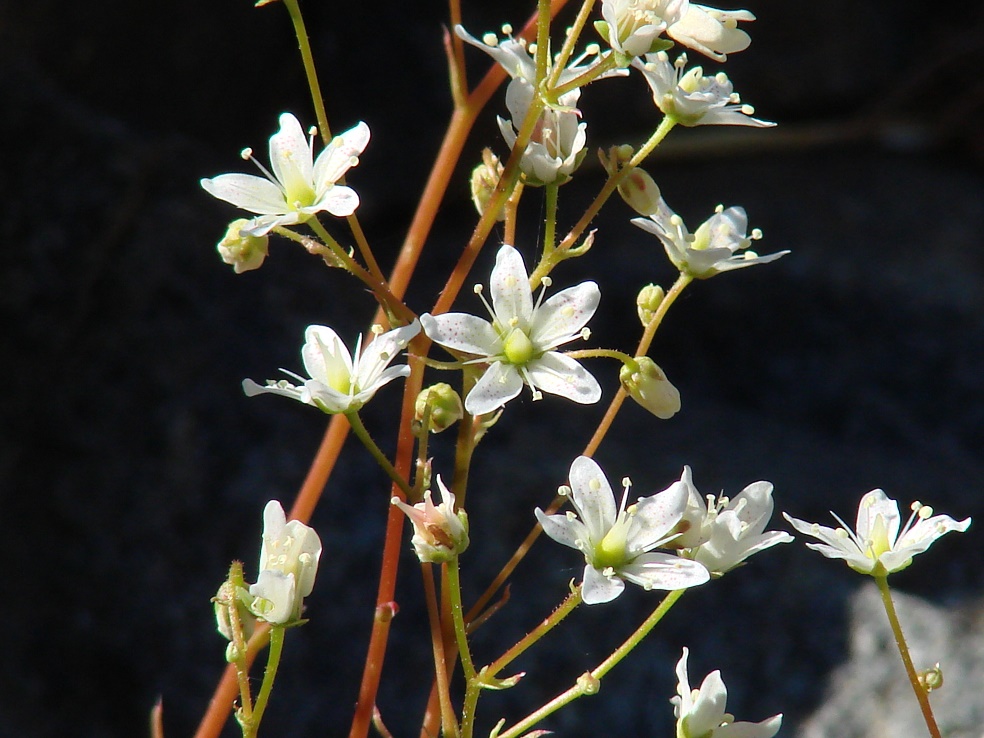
<point x="648" y="301"/>
<point x="228" y="596"/>
<point x="439" y="532"/>
<point x="484" y="179"/>
<point x="647" y="384"/>
<point x="445" y="407"/>
<point x="638" y="189"/>
<point x="241" y="250"/>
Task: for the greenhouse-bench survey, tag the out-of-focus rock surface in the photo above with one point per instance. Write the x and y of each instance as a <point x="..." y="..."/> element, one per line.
<point x="133" y="470"/>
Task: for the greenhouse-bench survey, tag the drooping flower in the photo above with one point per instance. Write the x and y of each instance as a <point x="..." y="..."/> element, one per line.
<point x="556" y="146"/>
<point x="240" y="249"/>
<point x="439" y="531"/>
<point x="690" y="98"/>
<point x="700" y="713"/>
<point x="632" y="27"/>
<point x="617" y="543"/>
<point x="879" y="543"/>
<point x="299" y="185"/>
<point x="341" y="382"/>
<point x="723" y="532"/>
<point x="288" y="565"/>
<point x="719" y="245"/>
<point x="710" y="31"/>
<point x="518" y="344"/>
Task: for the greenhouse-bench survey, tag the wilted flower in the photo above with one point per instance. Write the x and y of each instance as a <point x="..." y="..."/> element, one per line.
<point x="723" y="532"/>
<point x="519" y="342"/>
<point x="299" y="186"/>
<point x="617" y="543"/>
<point x="340" y="382"/>
<point x="879" y="544"/>
<point x="484" y="179"/>
<point x="690" y="98"/>
<point x="288" y="564"/>
<point x="638" y="188"/>
<point x="439" y="531"/>
<point x="648" y="301"/>
<point x="647" y="384"/>
<point x="700" y="713"/>
<point x="714" y="248"/>
<point x="241" y="249"/>
<point x="710" y="31"/>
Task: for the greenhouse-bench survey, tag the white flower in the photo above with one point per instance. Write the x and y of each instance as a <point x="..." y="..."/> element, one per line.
<point x="633" y="26"/>
<point x="519" y="343"/>
<point x="439" y="531"/>
<point x="879" y="544"/>
<point x="616" y="543"/>
<point x="556" y="146"/>
<point x="240" y="249"/>
<point x="288" y="564"/>
<point x="341" y="383"/>
<point x="690" y="98"/>
<point x="714" y="248"/>
<point x="724" y="532"/>
<point x="647" y="384"/>
<point x="700" y="713"/>
<point x="298" y="188"/>
<point x="710" y="31"/>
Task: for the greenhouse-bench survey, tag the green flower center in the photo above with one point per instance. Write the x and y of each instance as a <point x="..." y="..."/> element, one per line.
<point x="611" y="551"/>
<point x="517" y="347"/>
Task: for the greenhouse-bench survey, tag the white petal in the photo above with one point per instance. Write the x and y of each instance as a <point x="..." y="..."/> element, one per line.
<point x="707" y="712"/>
<point x="341" y="153"/>
<point x="510" y="288"/>
<point x="598" y="588"/>
<point x="683" y="684"/>
<point x="255" y="194"/>
<point x="664" y="571"/>
<point x="592" y="497"/>
<point x="290" y="156"/>
<point x="381" y="351"/>
<point x="877" y="504"/>
<point x="326" y="358"/>
<point x="561" y="375"/>
<point x="561" y="528"/>
<point x="500" y="383"/>
<point x="560" y="318"/>
<point x="266" y="223"/>
<point x="279" y="590"/>
<point x="655" y="517"/>
<point x="462" y="332"/>
<point x="251" y="389"/>
<point x="338" y="200"/>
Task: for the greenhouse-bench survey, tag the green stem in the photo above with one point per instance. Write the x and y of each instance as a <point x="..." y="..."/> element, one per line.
<point x="560" y="62"/>
<point x="363" y="435"/>
<point x="269" y="676"/>
<point x="589" y="682"/>
<point x="448" y="721"/>
<point x="453" y="582"/>
<point x="542" y="39"/>
<point x="910" y="670"/>
<point x="564" y="609"/>
<point x="620" y="356"/>
<point x="312" y="75"/>
<point x="585" y="78"/>
<point x="550" y="219"/>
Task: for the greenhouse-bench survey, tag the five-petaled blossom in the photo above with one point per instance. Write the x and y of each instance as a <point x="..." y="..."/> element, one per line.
<point x="518" y="344"/>
<point x="632" y="27"/>
<point x="288" y="564"/>
<point x="700" y="713"/>
<point x="719" y="245"/>
<point x="879" y="544"/>
<point x="723" y="532"/>
<point x="299" y="185"/>
<point x="710" y="31"/>
<point x="439" y="531"/>
<point x="690" y="98"/>
<point x="341" y="383"/>
<point x="617" y="543"/>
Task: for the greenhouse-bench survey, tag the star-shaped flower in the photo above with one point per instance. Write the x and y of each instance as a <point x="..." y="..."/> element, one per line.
<point x="518" y="344"/>
<point x="690" y="98"/>
<point x="617" y="542"/>
<point x="700" y="713"/>
<point x="722" y="532"/>
<point x="719" y="245"/>
<point x="299" y="185"/>
<point x="632" y="27"/>
<point x="710" y="31"/>
<point x="288" y="565"/>
<point x="879" y="544"/>
<point x="341" y="382"/>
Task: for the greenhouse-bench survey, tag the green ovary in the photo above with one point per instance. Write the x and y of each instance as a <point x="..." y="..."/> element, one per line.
<point x="611" y="551"/>
<point x="517" y="347"/>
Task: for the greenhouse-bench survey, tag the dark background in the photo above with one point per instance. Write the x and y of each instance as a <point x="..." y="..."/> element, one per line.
<point x="133" y="470"/>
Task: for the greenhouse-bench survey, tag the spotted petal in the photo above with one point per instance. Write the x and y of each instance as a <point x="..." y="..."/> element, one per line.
<point x="510" y="287"/>
<point x="561" y="375"/>
<point x="500" y="383"/>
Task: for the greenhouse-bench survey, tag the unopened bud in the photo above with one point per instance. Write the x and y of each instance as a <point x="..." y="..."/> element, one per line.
<point x="648" y="301"/>
<point x="445" y="407"/>
<point x="931" y="678"/>
<point x="638" y="189"/>
<point x="241" y="250"/>
<point x="647" y="384"/>
<point x="230" y="595"/>
<point x="484" y="179"/>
